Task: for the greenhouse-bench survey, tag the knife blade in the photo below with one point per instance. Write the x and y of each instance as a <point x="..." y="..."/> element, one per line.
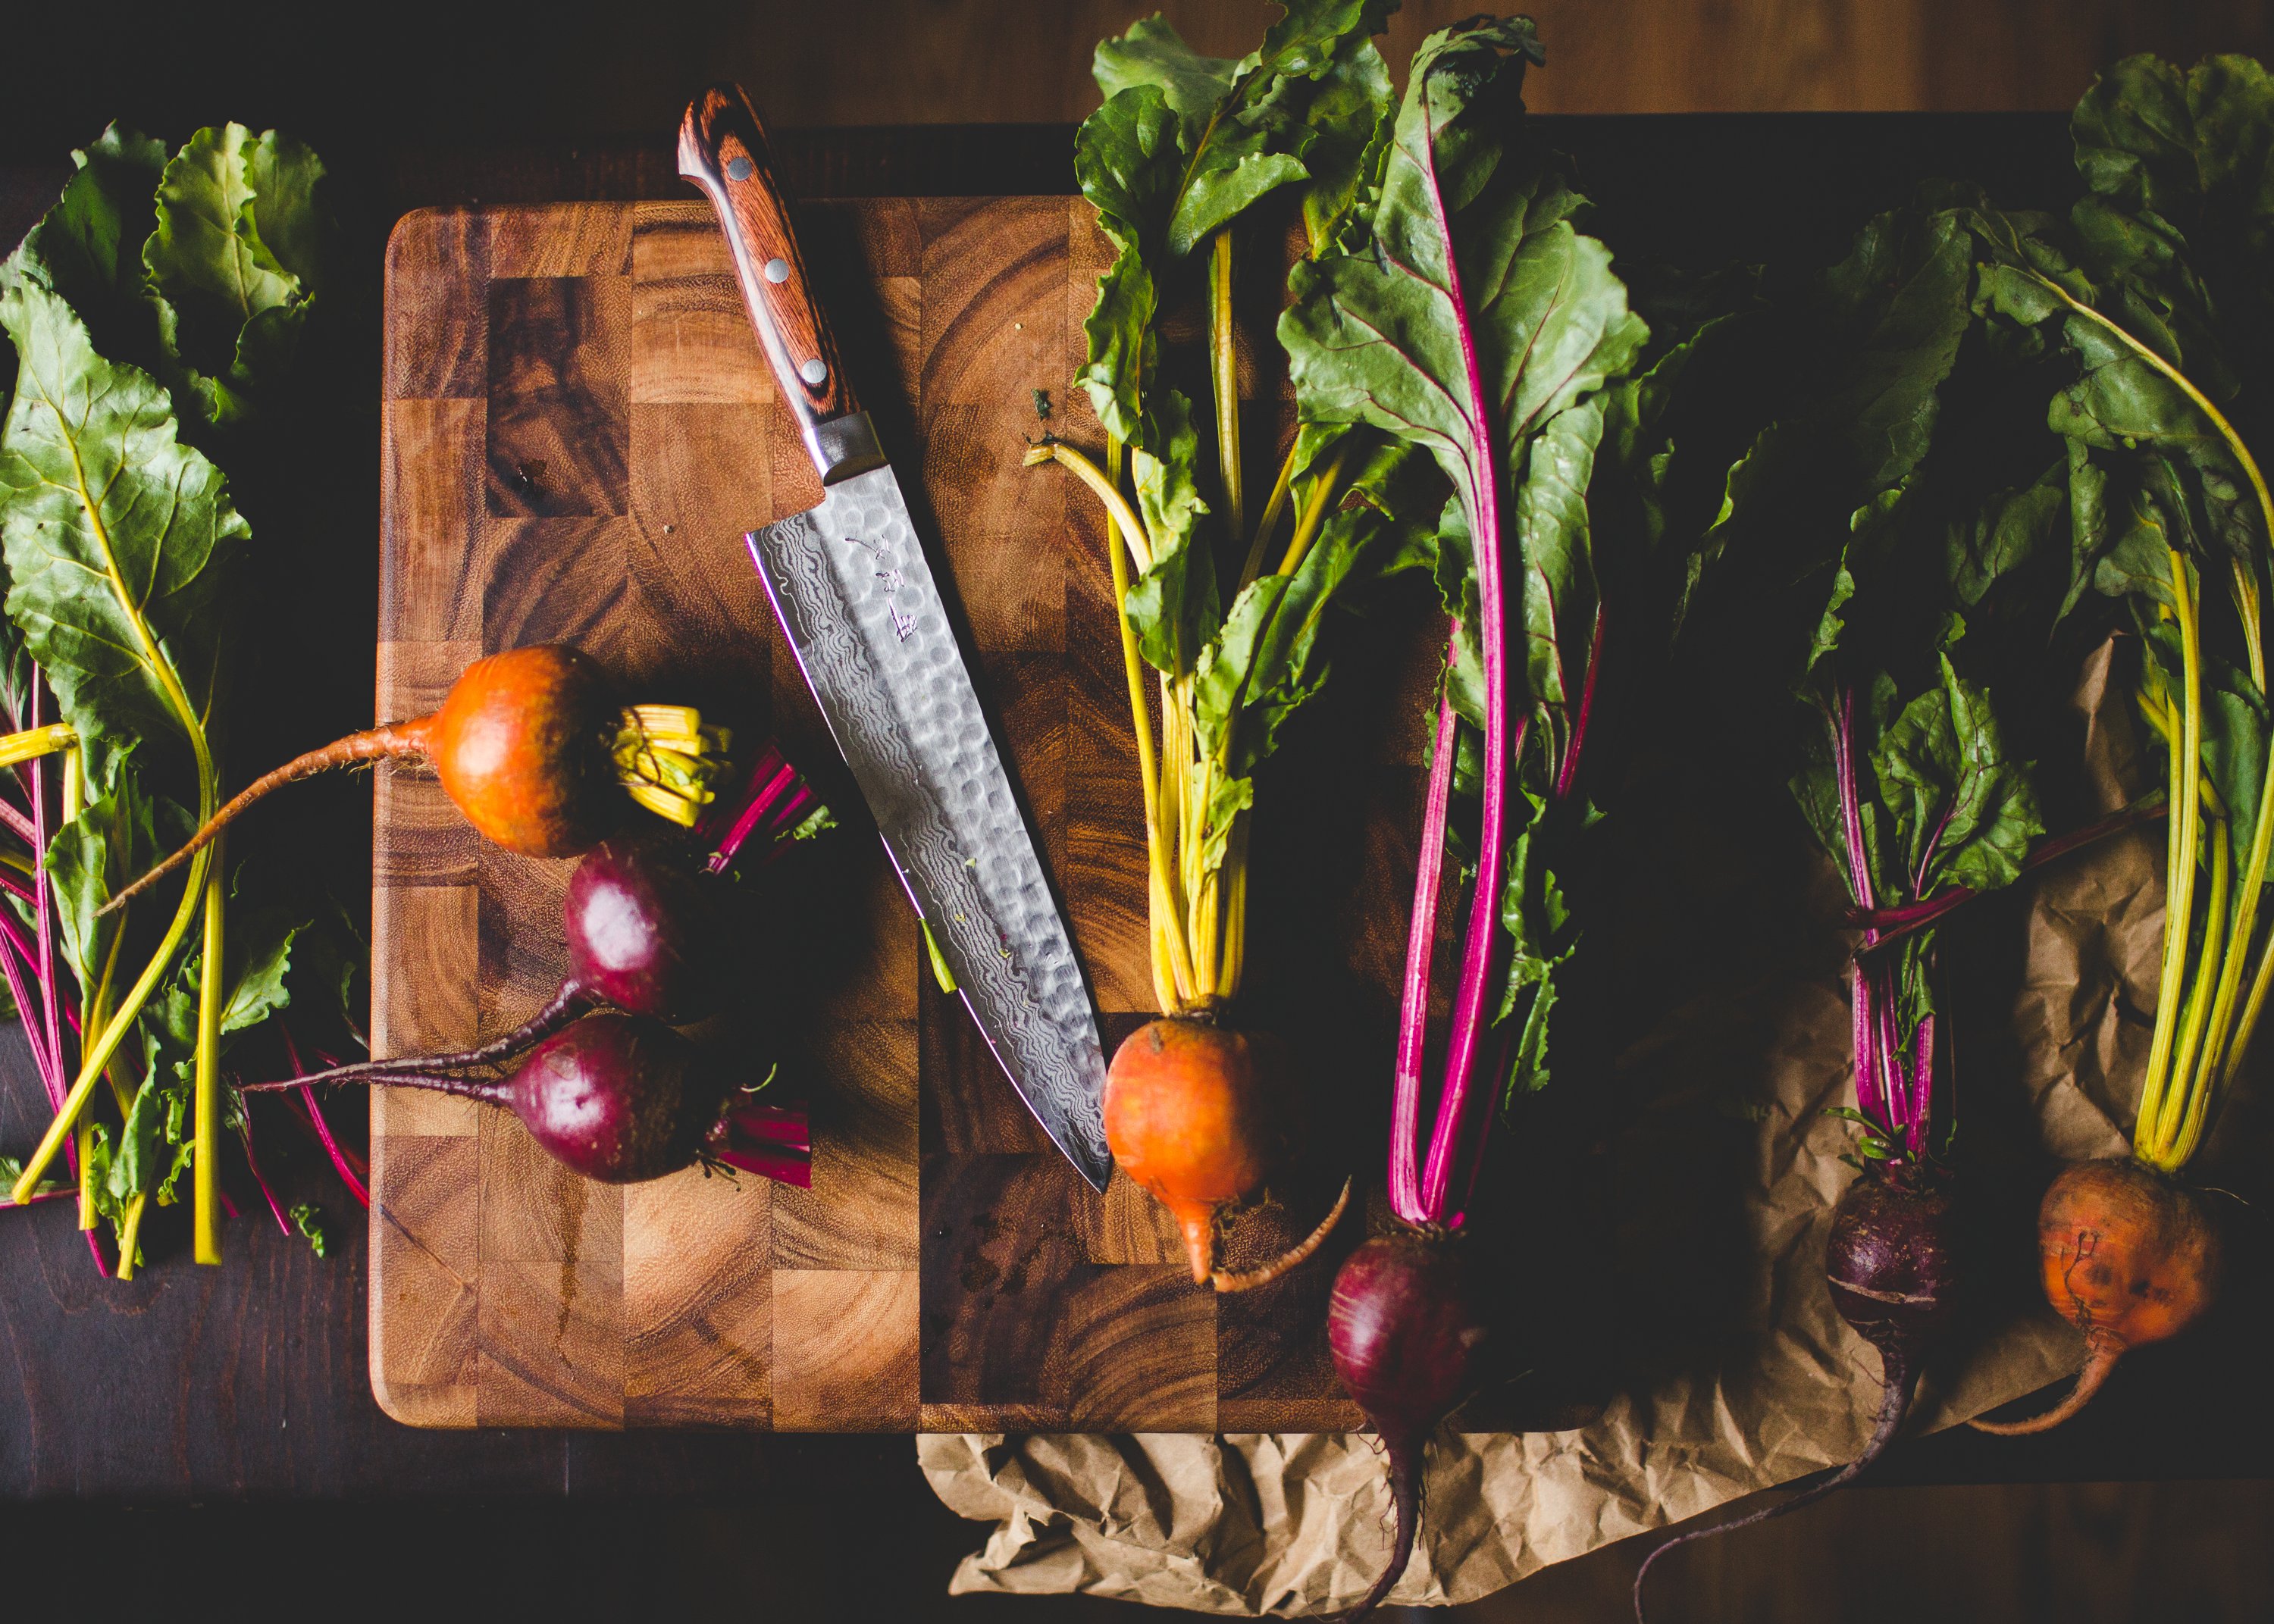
<point x="854" y="593"/>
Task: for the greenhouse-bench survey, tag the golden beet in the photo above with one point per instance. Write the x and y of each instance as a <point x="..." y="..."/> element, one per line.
<point x="1196" y="1113"/>
<point x="2127" y="1255"/>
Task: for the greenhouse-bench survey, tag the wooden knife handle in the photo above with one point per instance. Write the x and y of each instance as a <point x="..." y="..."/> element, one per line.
<point x="722" y="148"/>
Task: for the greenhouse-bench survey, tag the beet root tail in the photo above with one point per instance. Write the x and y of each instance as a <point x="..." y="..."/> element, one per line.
<point x="1264" y="1274"/>
<point x="489" y="1090"/>
<point x="565" y="1006"/>
<point x="2100" y="1359"/>
<point x="1405" y="1461"/>
<point x="1198" y="1225"/>
<point x="396" y="740"/>
<point x="1895" y="1404"/>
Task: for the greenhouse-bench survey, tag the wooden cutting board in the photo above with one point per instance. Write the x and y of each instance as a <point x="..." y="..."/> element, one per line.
<point x="577" y="431"/>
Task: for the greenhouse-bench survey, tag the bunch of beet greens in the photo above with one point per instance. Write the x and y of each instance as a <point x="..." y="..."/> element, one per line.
<point x="1888" y="537"/>
<point x="155" y="317"/>
<point x="1487" y="339"/>
<point x="1176" y="161"/>
<point x="1968" y="537"/>
<point x="2150" y="303"/>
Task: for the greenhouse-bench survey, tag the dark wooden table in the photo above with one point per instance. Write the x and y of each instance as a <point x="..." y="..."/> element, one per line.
<point x="247" y="1384"/>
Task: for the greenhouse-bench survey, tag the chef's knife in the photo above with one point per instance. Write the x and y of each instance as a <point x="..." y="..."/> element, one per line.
<point x="855" y="597"/>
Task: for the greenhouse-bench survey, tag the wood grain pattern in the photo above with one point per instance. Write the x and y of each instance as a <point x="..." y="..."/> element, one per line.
<point x="578" y="431"/>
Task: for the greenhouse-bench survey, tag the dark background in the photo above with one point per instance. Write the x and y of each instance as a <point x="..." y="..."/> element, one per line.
<point x="208" y="1436"/>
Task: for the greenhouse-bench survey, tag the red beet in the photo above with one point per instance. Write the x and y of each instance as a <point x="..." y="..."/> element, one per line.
<point x="1407" y="1341"/>
<point x="1892" y="1264"/>
<point x="642" y="928"/>
<point x="623" y="1098"/>
<point x="618" y="1098"/>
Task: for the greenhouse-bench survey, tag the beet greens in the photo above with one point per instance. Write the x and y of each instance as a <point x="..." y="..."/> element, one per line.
<point x="1893" y="540"/>
<point x="1183" y="149"/>
<point x="1174" y="162"/>
<point x="1480" y="331"/>
<point x="157" y="314"/>
<point x="2150" y="304"/>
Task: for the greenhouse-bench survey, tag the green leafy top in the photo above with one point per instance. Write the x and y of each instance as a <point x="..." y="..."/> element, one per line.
<point x="1475" y="325"/>
<point x="152" y="312"/>
<point x="118" y="539"/>
<point x="1475" y="261"/>
<point x="200" y="268"/>
<point x="2152" y="304"/>
<point x="234" y="263"/>
<point x="1185" y="143"/>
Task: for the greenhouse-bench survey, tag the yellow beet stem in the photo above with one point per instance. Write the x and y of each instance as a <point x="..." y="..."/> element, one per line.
<point x="1273" y="507"/>
<point x="1314" y="513"/>
<point x="33" y="742"/>
<point x="2179" y="1102"/>
<point x="1172" y="973"/>
<point x="667" y="760"/>
<point x="2223" y="1057"/>
<point x="205" y="1167"/>
<point x="1224" y="356"/>
<point x="2180" y="867"/>
<point x="115" y="1032"/>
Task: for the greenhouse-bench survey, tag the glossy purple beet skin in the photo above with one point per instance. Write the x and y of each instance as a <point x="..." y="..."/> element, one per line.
<point x="618" y="1098"/>
<point x="1404" y="1329"/>
<point x="640" y="925"/>
<point x="1407" y="1341"/>
<point x="1893" y="1261"/>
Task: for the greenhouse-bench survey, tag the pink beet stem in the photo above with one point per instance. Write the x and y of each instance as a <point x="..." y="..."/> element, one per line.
<point x="1863" y="1025"/>
<point x="1484" y="906"/>
<point x="1851" y="807"/>
<point x="16" y="958"/>
<point x="774" y="801"/>
<point x="1894" y="1084"/>
<point x="1922" y="1083"/>
<point x="783" y="1127"/>
<point x="253" y="1166"/>
<point x="42" y="916"/>
<point x="1563" y="780"/>
<point x="352" y="1170"/>
<point x="16" y="821"/>
<point x="773" y="1141"/>
<point x="783" y="1167"/>
<point x="1420" y="948"/>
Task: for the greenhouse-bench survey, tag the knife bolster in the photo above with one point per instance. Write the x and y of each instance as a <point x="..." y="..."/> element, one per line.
<point x="845" y="446"/>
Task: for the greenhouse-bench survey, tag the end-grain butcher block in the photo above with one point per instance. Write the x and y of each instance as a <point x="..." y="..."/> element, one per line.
<point x="579" y="429"/>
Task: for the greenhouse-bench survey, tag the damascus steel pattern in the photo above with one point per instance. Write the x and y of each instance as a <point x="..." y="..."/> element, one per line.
<point x="854" y="593"/>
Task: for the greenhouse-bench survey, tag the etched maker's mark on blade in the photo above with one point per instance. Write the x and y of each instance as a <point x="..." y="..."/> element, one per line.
<point x="853" y="589"/>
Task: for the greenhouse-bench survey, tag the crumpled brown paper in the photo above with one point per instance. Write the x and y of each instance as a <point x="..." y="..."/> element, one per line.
<point x="1297" y="1524"/>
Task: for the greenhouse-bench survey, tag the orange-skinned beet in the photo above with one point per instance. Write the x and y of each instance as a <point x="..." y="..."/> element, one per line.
<point x="521" y="744"/>
<point x="2127" y="1255"/>
<point x="1196" y="1114"/>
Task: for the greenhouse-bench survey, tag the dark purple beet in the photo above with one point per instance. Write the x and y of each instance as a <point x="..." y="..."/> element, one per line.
<point x="623" y="1098"/>
<point x="1892" y="1264"/>
<point x="641" y="927"/>
<point x="619" y="1098"/>
<point x="1407" y="1342"/>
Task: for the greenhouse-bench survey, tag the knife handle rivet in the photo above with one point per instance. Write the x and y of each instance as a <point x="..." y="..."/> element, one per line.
<point x="738" y="167"/>
<point x="777" y="270"/>
<point x="813" y="371"/>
